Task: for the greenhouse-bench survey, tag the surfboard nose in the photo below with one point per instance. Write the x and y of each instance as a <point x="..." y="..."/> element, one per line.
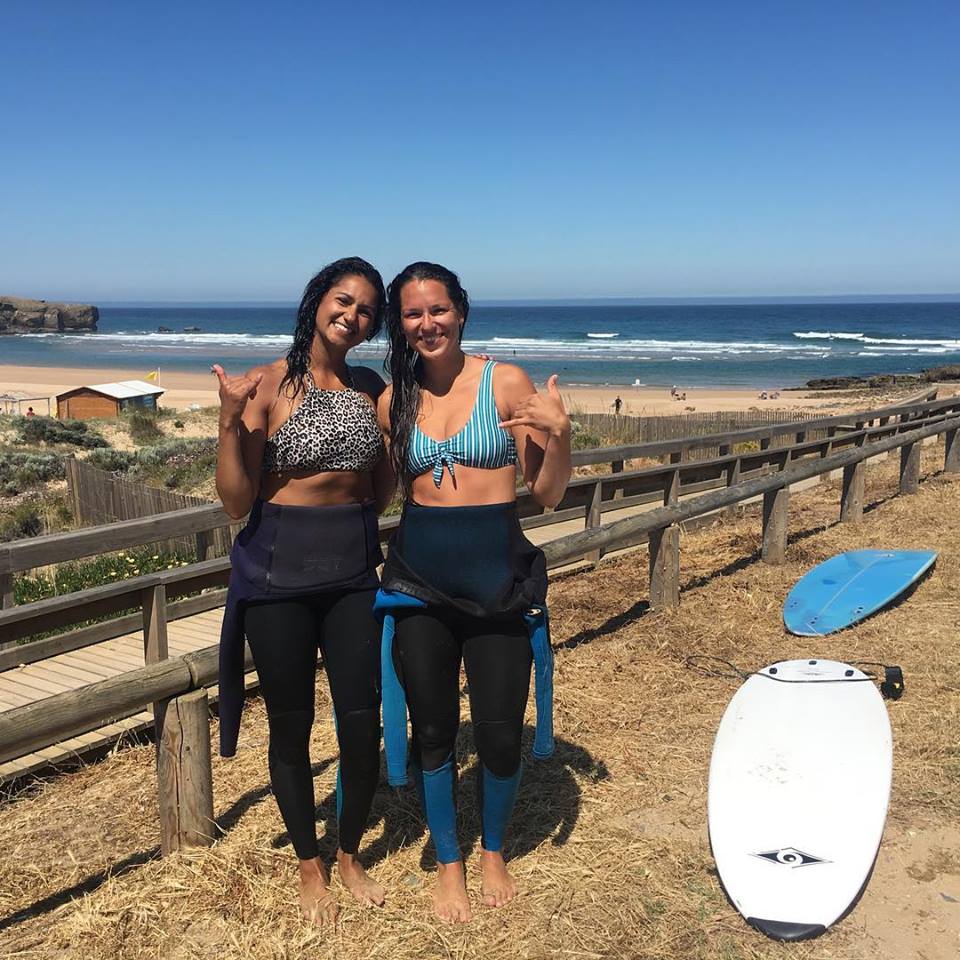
<point x="780" y="930"/>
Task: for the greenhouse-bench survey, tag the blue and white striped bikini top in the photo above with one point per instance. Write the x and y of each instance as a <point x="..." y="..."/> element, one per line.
<point x="481" y="443"/>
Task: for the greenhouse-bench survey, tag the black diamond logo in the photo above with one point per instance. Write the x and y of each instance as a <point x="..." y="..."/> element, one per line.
<point x="790" y="857"/>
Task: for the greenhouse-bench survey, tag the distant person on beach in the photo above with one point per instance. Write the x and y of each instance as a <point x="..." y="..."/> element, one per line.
<point x="301" y="451"/>
<point x="461" y="583"/>
<point x="30" y="412"/>
<point x="617" y="404"/>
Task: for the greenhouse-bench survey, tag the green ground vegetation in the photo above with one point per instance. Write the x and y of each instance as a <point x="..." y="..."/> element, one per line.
<point x="83" y="574"/>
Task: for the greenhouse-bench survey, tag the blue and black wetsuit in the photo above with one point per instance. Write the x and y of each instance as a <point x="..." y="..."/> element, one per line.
<point x="463" y="584"/>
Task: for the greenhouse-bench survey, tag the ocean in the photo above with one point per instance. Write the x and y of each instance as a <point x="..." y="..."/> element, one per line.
<point x="766" y="346"/>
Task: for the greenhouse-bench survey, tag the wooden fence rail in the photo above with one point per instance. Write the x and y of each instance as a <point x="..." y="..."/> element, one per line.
<point x="46" y="721"/>
<point x="586" y="497"/>
<point x="56" y="548"/>
<point x="173" y="685"/>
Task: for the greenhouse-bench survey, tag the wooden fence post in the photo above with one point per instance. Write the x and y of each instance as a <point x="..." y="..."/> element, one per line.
<point x="910" y="468"/>
<point x="671" y="489"/>
<point x="776" y="504"/>
<point x="154" y="601"/>
<point x="951" y="459"/>
<point x="205" y="545"/>
<point x="184" y="774"/>
<point x="6" y="590"/>
<point x="594" y="517"/>
<point x="616" y="466"/>
<point x="733" y="478"/>
<point x="665" y="568"/>
<point x="851" y="502"/>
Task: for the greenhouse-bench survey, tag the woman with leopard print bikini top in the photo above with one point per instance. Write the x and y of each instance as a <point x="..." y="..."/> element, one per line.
<point x="329" y="430"/>
<point x="304" y="568"/>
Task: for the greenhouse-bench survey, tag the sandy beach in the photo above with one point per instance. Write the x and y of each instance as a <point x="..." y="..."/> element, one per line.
<point x="183" y="390"/>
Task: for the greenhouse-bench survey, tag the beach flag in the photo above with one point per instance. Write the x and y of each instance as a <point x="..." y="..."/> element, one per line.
<point x="153" y="375"/>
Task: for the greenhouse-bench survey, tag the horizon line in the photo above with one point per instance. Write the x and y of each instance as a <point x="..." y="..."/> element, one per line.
<point x="786" y="299"/>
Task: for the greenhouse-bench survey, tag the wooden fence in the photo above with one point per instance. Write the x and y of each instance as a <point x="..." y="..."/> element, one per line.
<point x="99" y="497"/>
<point x="176" y="685"/>
<point x="634" y="429"/>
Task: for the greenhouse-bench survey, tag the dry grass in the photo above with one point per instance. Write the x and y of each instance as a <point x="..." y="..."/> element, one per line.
<point x="609" y="843"/>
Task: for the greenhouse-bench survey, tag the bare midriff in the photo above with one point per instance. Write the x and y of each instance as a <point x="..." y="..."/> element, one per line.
<point x="469" y="487"/>
<point x="307" y="488"/>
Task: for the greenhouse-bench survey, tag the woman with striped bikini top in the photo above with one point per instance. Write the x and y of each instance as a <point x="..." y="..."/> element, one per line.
<point x="481" y="442"/>
<point x="461" y="580"/>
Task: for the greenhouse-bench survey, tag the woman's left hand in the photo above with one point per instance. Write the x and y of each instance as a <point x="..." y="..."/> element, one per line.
<point x="541" y="411"/>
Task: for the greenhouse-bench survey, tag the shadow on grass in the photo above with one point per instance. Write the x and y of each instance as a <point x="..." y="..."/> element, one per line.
<point x="641" y="607"/>
<point x="85" y="886"/>
<point x="547" y="807"/>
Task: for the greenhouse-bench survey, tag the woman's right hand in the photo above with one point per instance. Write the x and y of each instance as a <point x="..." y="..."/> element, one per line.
<point x="234" y="394"/>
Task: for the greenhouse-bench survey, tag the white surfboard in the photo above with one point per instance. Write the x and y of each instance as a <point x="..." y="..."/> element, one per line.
<point x="799" y="785"/>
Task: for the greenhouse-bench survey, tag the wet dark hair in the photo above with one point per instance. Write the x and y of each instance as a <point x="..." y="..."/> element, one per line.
<point x="298" y="356"/>
<point x="403" y="362"/>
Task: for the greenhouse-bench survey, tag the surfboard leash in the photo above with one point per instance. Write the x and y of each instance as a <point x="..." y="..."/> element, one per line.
<point x="733" y="672"/>
<point x="891" y="687"/>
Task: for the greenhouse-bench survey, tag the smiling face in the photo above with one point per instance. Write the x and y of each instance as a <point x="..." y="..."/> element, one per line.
<point x="346" y="313"/>
<point x="430" y="321"/>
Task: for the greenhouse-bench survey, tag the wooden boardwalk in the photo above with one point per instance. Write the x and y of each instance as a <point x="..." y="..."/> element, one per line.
<point x="69" y="671"/>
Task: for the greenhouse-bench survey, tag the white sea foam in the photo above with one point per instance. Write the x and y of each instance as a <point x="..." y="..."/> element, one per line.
<point x="531" y="346"/>
<point x="903" y="343"/>
<point x="827" y="335"/>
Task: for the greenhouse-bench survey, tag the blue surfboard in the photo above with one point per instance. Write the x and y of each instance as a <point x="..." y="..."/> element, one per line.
<point x="851" y="586"/>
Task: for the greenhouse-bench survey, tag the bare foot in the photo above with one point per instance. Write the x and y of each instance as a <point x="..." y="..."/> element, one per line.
<point x="356" y="880"/>
<point x="316" y="900"/>
<point x="497" y="885"/>
<point x="450" y="900"/>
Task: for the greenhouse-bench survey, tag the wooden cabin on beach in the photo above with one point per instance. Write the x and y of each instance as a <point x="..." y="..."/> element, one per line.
<point x="107" y="399"/>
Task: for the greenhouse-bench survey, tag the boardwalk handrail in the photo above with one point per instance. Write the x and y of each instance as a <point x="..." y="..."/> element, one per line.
<point x="577" y="544"/>
<point x="21" y="555"/>
<point x="925" y="400"/>
<point x="44" y="722"/>
<point x="585" y="497"/>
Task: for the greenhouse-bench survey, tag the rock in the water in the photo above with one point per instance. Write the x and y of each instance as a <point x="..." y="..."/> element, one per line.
<point x="38" y="316"/>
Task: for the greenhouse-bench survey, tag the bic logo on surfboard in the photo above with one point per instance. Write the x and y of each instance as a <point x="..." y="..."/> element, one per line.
<point x="790" y="857"/>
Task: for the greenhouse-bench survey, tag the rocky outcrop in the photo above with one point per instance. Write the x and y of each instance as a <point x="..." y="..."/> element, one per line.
<point x="39" y="316"/>
<point x="885" y="380"/>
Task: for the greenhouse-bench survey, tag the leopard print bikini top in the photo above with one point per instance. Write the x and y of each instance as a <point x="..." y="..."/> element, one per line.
<point x="330" y="430"/>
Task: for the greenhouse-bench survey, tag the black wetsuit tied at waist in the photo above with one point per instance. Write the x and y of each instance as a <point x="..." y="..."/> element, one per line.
<point x="472" y="559"/>
<point x="285" y="552"/>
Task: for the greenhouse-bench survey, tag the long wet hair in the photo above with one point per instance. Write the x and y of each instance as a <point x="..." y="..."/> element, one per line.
<point x="403" y="362"/>
<point x="298" y="356"/>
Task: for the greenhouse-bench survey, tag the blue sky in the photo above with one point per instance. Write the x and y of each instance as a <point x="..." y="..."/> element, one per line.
<point x="227" y="150"/>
